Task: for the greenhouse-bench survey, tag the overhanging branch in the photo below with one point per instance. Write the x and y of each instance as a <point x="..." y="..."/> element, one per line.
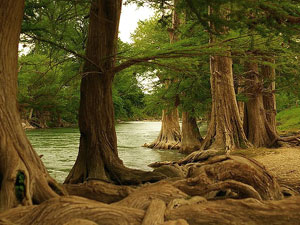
<point x="66" y="49"/>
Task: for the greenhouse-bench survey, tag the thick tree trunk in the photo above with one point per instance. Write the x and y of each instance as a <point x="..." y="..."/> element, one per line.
<point x="225" y="130"/>
<point x="259" y="131"/>
<point x="191" y="137"/>
<point x="23" y="177"/>
<point x="169" y="136"/>
<point x="98" y="156"/>
<point x="268" y="73"/>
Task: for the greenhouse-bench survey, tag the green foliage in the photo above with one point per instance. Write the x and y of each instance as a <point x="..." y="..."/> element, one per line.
<point x="128" y="97"/>
<point x="255" y="30"/>
<point x="49" y="88"/>
<point x="289" y="120"/>
<point x="20" y="188"/>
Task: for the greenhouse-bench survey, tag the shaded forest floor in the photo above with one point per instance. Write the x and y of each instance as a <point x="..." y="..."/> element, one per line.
<point x="283" y="163"/>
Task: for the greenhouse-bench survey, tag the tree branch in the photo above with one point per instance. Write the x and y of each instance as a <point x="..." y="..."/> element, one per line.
<point x="66" y="49"/>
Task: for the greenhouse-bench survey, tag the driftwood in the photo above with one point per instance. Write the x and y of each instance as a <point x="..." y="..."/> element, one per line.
<point x="155" y="213"/>
<point x="99" y="190"/>
<point x="239" y="212"/>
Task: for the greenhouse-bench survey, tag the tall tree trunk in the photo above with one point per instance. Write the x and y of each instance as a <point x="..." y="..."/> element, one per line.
<point x="268" y="73"/>
<point x="260" y="133"/>
<point x="169" y="136"/>
<point x="225" y="130"/>
<point x="23" y="177"/>
<point x="191" y="137"/>
<point x="98" y="156"/>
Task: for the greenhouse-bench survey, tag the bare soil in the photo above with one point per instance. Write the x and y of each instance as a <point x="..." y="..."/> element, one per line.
<point x="283" y="163"/>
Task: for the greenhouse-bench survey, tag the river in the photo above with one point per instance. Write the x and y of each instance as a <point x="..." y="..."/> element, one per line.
<point x="59" y="147"/>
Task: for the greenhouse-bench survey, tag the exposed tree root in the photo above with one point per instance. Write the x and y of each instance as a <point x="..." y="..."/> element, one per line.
<point x="290" y="141"/>
<point x="141" y="198"/>
<point x="99" y="190"/>
<point x="223" y="176"/>
<point x="196" y="156"/>
<point x="155" y="213"/>
<point x="59" y="211"/>
<point x="246" y="211"/>
<point x="235" y="176"/>
<point x="196" y="210"/>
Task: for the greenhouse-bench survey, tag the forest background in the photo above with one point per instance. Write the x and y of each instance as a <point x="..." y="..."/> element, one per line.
<point x="55" y="33"/>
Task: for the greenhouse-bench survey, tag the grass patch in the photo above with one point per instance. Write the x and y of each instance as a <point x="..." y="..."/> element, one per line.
<point x="288" y="120"/>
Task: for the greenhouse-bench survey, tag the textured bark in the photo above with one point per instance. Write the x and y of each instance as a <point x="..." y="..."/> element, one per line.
<point x="225" y="130"/>
<point x="268" y="73"/>
<point x="176" y="222"/>
<point x="59" y="211"/>
<point x="246" y="211"/>
<point x="99" y="191"/>
<point x="259" y="131"/>
<point x="141" y="198"/>
<point x="215" y="177"/>
<point x="230" y="176"/>
<point x="155" y="213"/>
<point x="69" y="210"/>
<point x="191" y="138"/>
<point x="98" y="155"/>
<point x="23" y="177"/>
<point x="169" y="136"/>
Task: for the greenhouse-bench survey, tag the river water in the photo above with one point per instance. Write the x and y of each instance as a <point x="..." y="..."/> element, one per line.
<point x="59" y="147"/>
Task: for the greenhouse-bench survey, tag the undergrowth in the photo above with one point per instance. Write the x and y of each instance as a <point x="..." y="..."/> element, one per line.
<point x="288" y="120"/>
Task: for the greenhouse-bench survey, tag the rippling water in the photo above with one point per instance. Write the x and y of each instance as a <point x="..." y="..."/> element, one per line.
<point x="59" y="147"/>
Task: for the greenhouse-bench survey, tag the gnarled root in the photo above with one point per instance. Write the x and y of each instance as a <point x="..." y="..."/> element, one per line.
<point x="141" y="198"/>
<point x="237" y="175"/>
<point x="99" y="190"/>
<point x="245" y="211"/>
<point x="59" y="211"/>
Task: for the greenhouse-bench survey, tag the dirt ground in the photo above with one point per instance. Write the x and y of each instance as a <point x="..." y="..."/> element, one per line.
<point x="284" y="164"/>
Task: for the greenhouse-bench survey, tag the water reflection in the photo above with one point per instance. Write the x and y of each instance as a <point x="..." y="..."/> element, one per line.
<point x="59" y="147"/>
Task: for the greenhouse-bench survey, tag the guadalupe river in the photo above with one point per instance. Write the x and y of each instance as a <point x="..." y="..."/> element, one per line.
<point x="59" y="147"/>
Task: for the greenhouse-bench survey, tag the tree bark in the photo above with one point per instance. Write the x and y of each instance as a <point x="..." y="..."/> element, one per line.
<point x="98" y="156"/>
<point x="191" y="137"/>
<point x="268" y="73"/>
<point x="65" y="210"/>
<point x="155" y="213"/>
<point x="23" y="177"/>
<point x="259" y="131"/>
<point x="99" y="191"/>
<point x="169" y="136"/>
<point x="246" y="211"/>
<point x="225" y="130"/>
